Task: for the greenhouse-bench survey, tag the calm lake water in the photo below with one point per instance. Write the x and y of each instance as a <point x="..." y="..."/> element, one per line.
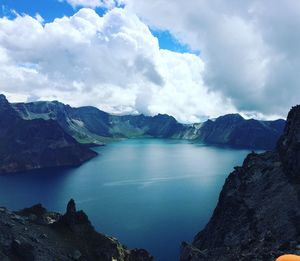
<point x="148" y="193"/>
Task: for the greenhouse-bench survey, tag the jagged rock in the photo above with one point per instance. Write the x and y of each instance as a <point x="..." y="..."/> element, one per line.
<point x="76" y="221"/>
<point x="38" y="214"/>
<point x="289" y="145"/>
<point x="258" y="213"/>
<point x="71" y="237"/>
<point x="38" y="210"/>
<point x="71" y="207"/>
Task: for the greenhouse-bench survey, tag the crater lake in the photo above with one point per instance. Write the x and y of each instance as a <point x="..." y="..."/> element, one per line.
<point x="148" y="193"/>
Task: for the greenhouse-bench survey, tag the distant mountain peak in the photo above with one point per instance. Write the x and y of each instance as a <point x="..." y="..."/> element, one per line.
<point x="6" y="110"/>
<point x="164" y="116"/>
<point x="231" y="116"/>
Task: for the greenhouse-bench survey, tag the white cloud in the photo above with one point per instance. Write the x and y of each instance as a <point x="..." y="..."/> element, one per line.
<point x="39" y="18"/>
<point x="250" y="48"/>
<point x="112" y="62"/>
<point x="92" y="3"/>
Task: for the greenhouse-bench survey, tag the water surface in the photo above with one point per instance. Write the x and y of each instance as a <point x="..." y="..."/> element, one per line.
<point x="147" y="193"/>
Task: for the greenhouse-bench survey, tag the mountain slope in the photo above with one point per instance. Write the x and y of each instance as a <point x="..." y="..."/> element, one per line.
<point x="85" y="124"/>
<point x="234" y="130"/>
<point x="34" y="144"/>
<point x="258" y="213"/>
<point x="159" y="126"/>
<point x="91" y="125"/>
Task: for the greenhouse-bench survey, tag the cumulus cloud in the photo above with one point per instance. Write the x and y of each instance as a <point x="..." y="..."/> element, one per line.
<point x="91" y="3"/>
<point x="250" y="48"/>
<point x="112" y="62"/>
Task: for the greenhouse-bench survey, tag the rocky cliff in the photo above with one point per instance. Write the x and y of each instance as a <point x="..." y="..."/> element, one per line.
<point x="258" y="213"/>
<point x="36" y="234"/>
<point x="35" y="144"/>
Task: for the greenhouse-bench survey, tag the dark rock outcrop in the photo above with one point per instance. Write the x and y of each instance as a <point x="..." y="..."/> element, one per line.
<point x="60" y="237"/>
<point x="258" y="213"/>
<point x="289" y="145"/>
<point x="35" y="144"/>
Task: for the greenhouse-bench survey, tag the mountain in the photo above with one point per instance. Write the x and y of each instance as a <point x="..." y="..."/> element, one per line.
<point x="159" y="126"/>
<point x="85" y="124"/>
<point x="234" y="130"/>
<point x="35" y="144"/>
<point x="258" y="213"/>
<point x="36" y="234"/>
<point x="91" y="125"/>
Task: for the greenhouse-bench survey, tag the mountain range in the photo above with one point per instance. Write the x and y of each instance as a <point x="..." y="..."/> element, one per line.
<point x="93" y="126"/>
<point x="47" y="134"/>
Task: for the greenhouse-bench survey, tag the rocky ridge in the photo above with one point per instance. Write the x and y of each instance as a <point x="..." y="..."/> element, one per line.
<point x="36" y="234"/>
<point x="258" y="213"/>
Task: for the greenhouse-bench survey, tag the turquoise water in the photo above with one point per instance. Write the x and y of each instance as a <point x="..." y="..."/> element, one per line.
<point x="147" y="193"/>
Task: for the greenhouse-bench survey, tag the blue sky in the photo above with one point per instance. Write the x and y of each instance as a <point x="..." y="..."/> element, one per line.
<point x="51" y="9"/>
<point x="48" y="9"/>
<point x="167" y="41"/>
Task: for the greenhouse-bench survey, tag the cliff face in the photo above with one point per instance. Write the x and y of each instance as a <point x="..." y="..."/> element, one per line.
<point x="34" y="144"/>
<point x="36" y="234"/>
<point x="258" y="213"/>
<point x="289" y="145"/>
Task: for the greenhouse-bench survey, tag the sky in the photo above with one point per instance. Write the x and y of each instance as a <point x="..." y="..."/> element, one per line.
<point x="190" y="59"/>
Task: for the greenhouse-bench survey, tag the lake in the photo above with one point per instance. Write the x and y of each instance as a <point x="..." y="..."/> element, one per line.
<point x="148" y="193"/>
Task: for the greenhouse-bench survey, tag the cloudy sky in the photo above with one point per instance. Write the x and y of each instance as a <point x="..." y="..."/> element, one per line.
<point x="190" y="59"/>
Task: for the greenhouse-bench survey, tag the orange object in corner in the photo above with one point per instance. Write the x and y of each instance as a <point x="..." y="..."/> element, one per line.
<point x="288" y="258"/>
